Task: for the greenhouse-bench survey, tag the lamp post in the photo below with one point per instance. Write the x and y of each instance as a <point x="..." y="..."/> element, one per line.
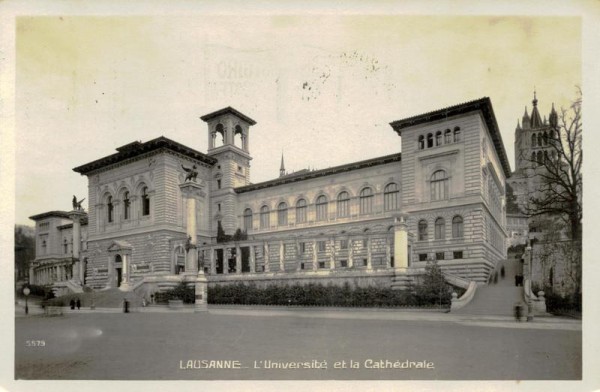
<point x="530" y="270"/>
<point x="26" y="291"/>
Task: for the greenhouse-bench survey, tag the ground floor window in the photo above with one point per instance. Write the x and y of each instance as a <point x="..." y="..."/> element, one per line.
<point x="439" y="256"/>
<point x="321" y="264"/>
<point x="422" y="256"/>
<point x="344" y="263"/>
<point x="458" y="254"/>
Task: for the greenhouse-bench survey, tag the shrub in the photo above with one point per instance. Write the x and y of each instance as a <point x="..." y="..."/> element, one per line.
<point x="181" y="292"/>
<point x="313" y="294"/>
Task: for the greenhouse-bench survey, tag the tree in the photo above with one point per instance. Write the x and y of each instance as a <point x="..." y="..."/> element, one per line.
<point x="433" y="287"/>
<point x="24" y="250"/>
<point x="556" y="201"/>
<point x="559" y="172"/>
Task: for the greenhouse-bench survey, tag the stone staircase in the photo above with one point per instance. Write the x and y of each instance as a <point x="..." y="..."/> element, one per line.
<point x="496" y="298"/>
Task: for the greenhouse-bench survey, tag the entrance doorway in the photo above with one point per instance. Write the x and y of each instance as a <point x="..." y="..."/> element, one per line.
<point x="118" y="269"/>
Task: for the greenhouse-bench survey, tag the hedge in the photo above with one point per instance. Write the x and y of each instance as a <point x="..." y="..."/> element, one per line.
<point x="317" y="295"/>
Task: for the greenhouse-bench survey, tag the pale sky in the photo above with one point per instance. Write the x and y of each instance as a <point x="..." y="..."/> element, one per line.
<point x="322" y="89"/>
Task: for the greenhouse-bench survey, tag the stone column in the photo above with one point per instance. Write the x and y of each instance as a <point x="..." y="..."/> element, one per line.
<point x="226" y="260"/>
<point x="213" y="262"/>
<point x="369" y="258"/>
<point x="76" y="216"/>
<point x="401" y="242"/>
<point x="125" y="282"/>
<point x="238" y="259"/>
<point x="281" y="257"/>
<point x="388" y="252"/>
<point x="350" y="252"/>
<point x="298" y="257"/>
<point x="266" y="257"/>
<point x="192" y="193"/>
<point x="315" y="258"/>
<point x="252" y="260"/>
<point x="332" y="254"/>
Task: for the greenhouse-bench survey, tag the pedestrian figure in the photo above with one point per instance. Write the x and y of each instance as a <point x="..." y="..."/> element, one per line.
<point x="502" y="272"/>
<point x="144" y="302"/>
<point x="78" y="304"/>
<point x="518" y="311"/>
<point x="72" y="303"/>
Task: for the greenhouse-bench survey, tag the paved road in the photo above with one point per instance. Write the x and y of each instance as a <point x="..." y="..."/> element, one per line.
<point x="155" y="346"/>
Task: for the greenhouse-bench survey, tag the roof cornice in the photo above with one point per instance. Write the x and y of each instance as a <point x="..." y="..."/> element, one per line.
<point x="136" y="149"/>
<point x="483" y="105"/>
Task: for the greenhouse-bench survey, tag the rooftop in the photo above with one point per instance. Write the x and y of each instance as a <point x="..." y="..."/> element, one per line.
<point x="57" y="214"/>
<point x="483" y="104"/>
<point x="229" y="110"/>
<point x="134" y="149"/>
<point x="307" y="174"/>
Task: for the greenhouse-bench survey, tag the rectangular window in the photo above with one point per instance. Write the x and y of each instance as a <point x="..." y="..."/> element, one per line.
<point x="439" y="256"/>
<point x="322" y="246"/>
<point x="458" y="254"/>
<point x="321" y="264"/>
<point x="365" y="243"/>
<point x="365" y="262"/>
<point x="219" y="206"/>
<point x="422" y="256"/>
<point x="302" y="247"/>
<point x="343" y="244"/>
<point x="344" y="263"/>
<point x="218" y="184"/>
<point x="301" y="266"/>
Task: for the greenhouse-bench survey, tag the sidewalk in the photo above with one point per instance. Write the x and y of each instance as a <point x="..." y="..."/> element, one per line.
<point x="548" y="322"/>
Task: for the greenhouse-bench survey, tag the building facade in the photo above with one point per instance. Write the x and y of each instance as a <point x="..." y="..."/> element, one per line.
<point x="367" y="223"/>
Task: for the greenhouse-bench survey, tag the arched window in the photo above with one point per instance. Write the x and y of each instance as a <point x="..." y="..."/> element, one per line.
<point x="539" y="141"/>
<point x="343" y="204"/>
<point x="457" y="227"/>
<point x="533" y="159"/>
<point x="219" y="130"/>
<point x="366" y="201"/>
<point x="126" y="205"/>
<point x="301" y="211"/>
<point x="439" y="185"/>
<point x="282" y="214"/>
<point x="533" y="140"/>
<point x="540" y="158"/>
<point x="390" y="197"/>
<point x="423" y="230"/>
<point x="265" y="222"/>
<point x="145" y="202"/>
<point x="421" y="142"/>
<point x="109" y="208"/>
<point x="438" y="138"/>
<point x="546" y="159"/>
<point x="440" y="229"/>
<point x="545" y="138"/>
<point x="247" y="219"/>
<point x="429" y="140"/>
<point x="66" y="246"/>
<point x="238" y="137"/>
<point x="321" y="208"/>
<point x="457" y="135"/>
<point x="448" y="136"/>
